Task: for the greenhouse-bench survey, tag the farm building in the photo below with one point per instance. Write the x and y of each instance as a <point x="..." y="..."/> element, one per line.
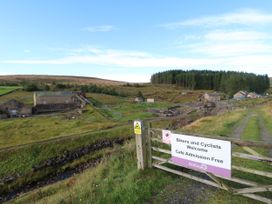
<point x="47" y="101"/>
<point x="253" y="95"/>
<point x="240" y="95"/>
<point x="150" y="100"/>
<point x="3" y="116"/>
<point x="139" y="99"/>
<point x="26" y="111"/>
<point x="13" y="108"/>
<point x="212" y="97"/>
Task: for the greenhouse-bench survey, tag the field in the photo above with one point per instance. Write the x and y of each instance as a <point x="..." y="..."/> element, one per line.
<point x="59" y="79"/>
<point x="47" y="147"/>
<point x="7" y="89"/>
<point x="116" y="180"/>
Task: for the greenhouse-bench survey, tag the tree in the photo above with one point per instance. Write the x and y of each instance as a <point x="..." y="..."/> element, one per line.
<point x="140" y="95"/>
<point x="31" y="87"/>
<point x="228" y="82"/>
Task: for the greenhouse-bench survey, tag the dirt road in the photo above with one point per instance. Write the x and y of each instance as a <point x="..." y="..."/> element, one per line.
<point x="265" y="135"/>
<point x="238" y="131"/>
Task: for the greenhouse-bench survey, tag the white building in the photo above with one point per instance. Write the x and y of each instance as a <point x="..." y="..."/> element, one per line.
<point x="150" y="100"/>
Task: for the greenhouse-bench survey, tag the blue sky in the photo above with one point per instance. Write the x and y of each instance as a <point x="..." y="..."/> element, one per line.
<point x="130" y="40"/>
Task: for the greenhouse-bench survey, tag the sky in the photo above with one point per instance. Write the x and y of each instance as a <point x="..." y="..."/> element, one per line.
<point x="130" y="40"/>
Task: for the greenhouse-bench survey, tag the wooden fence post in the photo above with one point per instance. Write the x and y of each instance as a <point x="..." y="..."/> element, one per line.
<point x="143" y="144"/>
<point x="148" y="145"/>
<point x="138" y="130"/>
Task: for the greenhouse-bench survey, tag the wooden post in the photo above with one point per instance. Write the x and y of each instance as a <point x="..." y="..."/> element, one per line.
<point x="148" y="145"/>
<point x="143" y="144"/>
<point x="140" y="145"/>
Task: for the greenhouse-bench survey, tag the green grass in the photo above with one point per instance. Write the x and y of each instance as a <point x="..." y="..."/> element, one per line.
<point x="107" y="99"/>
<point x="266" y="113"/>
<point x="252" y="130"/>
<point x="26" y="130"/>
<point x="19" y="95"/>
<point x="21" y="160"/>
<point x="251" y="102"/>
<point x="162" y="93"/>
<point x="115" y="180"/>
<point x="41" y="127"/>
<point x="7" y="89"/>
<point x="252" y="133"/>
<point x="222" y="125"/>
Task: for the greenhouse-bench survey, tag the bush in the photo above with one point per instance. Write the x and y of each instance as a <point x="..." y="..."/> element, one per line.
<point x="31" y="87"/>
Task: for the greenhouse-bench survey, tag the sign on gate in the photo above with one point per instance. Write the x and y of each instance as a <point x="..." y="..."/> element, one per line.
<point x="137" y="127"/>
<point x="166" y="136"/>
<point x="202" y="154"/>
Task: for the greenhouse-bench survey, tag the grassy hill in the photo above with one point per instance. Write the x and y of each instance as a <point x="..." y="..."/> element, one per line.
<point x="60" y="79"/>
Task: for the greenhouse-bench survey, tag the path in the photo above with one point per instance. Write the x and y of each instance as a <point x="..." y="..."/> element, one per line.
<point x="265" y="135"/>
<point x="238" y="131"/>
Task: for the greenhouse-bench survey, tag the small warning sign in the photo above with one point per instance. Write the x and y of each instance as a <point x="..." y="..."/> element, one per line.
<point x="166" y="136"/>
<point x="137" y="127"/>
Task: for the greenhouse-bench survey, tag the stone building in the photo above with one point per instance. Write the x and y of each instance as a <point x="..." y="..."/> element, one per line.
<point x="240" y="95"/>
<point x="150" y="100"/>
<point x="212" y="97"/>
<point x="48" y="101"/>
<point x="253" y="95"/>
<point x="14" y="108"/>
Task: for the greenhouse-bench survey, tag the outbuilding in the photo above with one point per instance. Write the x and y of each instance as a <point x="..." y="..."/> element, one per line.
<point x="139" y="99"/>
<point x="150" y="100"/>
<point x="14" y="108"/>
<point x="240" y="95"/>
<point x="253" y="95"/>
<point x="212" y="97"/>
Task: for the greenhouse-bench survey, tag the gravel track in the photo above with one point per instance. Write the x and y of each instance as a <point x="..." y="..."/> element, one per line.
<point x="241" y="126"/>
<point x="265" y="135"/>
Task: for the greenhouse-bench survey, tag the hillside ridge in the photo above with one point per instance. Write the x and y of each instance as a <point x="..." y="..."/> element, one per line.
<point x="60" y="78"/>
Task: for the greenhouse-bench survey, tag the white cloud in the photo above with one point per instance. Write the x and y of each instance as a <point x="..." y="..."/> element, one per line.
<point x="133" y="62"/>
<point x="227" y="43"/>
<point x="242" y="17"/>
<point x="139" y="60"/>
<point x="236" y="35"/>
<point x="100" y="28"/>
<point x="108" y="57"/>
<point x="222" y="49"/>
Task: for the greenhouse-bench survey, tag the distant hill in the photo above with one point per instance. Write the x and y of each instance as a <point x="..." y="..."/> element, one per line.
<point x="59" y="79"/>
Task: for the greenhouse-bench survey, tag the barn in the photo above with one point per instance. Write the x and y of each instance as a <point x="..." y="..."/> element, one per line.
<point x="49" y="101"/>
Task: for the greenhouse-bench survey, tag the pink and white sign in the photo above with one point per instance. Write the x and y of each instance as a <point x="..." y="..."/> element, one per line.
<point x="202" y="154"/>
<point x="166" y="136"/>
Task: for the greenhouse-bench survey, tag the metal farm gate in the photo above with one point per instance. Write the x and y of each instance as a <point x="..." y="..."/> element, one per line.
<point x="152" y="152"/>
